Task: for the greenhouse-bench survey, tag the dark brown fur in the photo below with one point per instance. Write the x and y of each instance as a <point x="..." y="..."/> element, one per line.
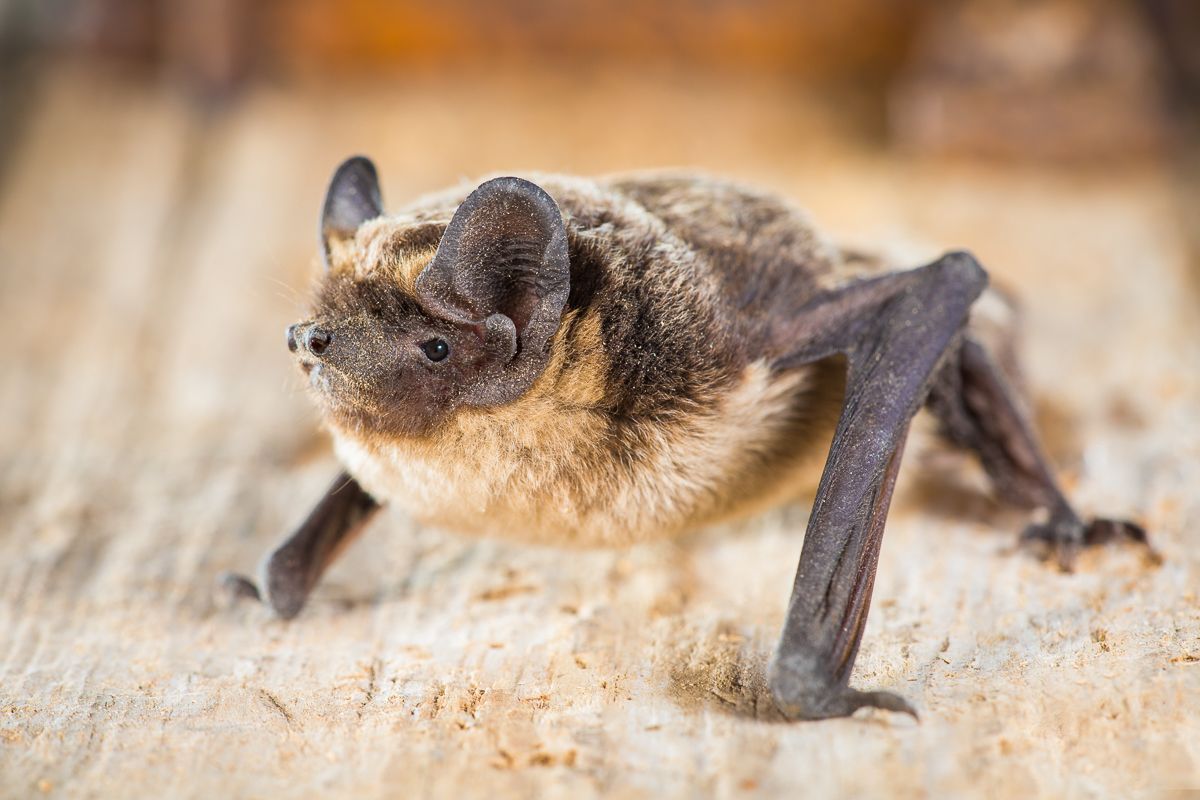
<point x="663" y="261"/>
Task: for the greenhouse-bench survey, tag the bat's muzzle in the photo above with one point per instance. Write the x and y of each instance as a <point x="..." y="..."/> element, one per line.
<point x="308" y="338"/>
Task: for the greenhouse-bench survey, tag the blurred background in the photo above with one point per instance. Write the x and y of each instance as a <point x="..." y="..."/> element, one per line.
<point x="1092" y="78"/>
<point x="761" y="88"/>
<point x="1062" y="79"/>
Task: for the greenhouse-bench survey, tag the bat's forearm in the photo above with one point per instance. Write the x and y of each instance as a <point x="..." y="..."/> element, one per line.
<point x="895" y="332"/>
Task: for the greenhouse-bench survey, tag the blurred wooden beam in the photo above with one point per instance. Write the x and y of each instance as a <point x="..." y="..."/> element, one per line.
<point x="810" y="38"/>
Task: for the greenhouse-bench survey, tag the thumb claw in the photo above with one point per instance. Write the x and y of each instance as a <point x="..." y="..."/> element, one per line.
<point x="887" y="701"/>
<point x="236" y="587"/>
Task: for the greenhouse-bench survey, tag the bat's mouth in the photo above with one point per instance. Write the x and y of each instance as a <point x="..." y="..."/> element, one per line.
<point x="318" y="376"/>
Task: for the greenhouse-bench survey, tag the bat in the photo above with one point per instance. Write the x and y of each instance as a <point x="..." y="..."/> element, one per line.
<point x="599" y="362"/>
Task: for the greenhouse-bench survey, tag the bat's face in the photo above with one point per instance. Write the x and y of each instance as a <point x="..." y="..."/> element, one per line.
<point x="396" y="347"/>
<point x="377" y="359"/>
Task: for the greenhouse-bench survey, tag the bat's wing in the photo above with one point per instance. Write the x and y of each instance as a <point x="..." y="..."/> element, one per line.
<point x="904" y="341"/>
<point x="895" y="332"/>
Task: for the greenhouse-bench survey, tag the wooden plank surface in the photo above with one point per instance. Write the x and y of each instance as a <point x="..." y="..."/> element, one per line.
<point x="154" y="434"/>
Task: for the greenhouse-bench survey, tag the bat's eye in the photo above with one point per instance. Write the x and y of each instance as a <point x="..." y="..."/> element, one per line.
<point x="436" y="349"/>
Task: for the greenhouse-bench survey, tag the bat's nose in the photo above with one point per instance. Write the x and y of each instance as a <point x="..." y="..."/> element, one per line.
<point x="308" y="337"/>
<point x="317" y="340"/>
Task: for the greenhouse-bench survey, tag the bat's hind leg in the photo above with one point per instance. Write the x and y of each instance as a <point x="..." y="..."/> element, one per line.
<point x="978" y="408"/>
<point x="906" y="342"/>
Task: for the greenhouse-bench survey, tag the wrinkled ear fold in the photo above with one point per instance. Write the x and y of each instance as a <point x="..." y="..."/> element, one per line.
<point x="352" y="198"/>
<point x="503" y="265"/>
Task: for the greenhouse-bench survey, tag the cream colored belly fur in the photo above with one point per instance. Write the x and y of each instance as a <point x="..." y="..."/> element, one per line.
<point x="537" y="470"/>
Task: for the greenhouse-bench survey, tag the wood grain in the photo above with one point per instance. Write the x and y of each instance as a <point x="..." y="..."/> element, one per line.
<point x="154" y="434"/>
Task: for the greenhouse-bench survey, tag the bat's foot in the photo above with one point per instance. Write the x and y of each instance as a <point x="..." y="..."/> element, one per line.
<point x="798" y="698"/>
<point x="1064" y="535"/>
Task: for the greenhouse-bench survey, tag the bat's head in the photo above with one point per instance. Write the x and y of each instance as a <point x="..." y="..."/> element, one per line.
<point x="414" y="321"/>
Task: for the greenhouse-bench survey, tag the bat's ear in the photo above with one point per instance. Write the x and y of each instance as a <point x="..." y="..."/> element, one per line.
<point x="352" y="199"/>
<point x="503" y="265"/>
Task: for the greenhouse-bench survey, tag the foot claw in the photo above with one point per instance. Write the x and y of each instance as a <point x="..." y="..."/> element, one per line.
<point x="1064" y="535"/>
<point x="1111" y="530"/>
